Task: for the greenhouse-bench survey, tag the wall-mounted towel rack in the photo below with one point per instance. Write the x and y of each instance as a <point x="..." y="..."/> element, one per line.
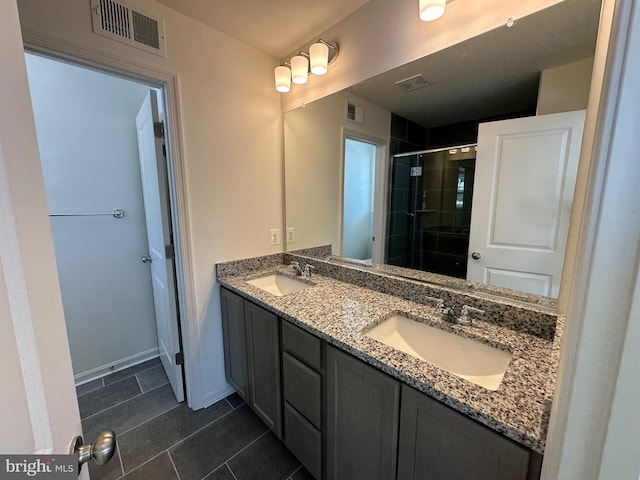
<point x="117" y="213"/>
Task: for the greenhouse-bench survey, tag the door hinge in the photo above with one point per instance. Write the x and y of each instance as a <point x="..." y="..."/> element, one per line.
<point x="179" y="358"/>
<point x="158" y="129"/>
<point x="169" y="252"/>
<point x="164" y="150"/>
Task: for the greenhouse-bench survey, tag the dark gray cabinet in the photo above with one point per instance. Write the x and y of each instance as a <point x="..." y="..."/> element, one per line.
<point x="263" y="359"/>
<point x="437" y="442"/>
<point x="362" y="419"/>
<point x="234" y="336"/>
<point x="302" y="385"/>
<point x="344" y="419"/>
<point x="251" y="337"/>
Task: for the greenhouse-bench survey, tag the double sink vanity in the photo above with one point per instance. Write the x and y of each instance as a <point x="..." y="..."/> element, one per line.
<point x="369" y="375"/>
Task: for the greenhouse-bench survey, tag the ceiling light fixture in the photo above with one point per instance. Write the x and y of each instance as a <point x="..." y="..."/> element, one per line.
<point x="321" y="54"/>
<point x="431" y="9"/>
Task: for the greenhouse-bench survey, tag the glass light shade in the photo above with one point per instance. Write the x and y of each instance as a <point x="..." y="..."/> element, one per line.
<point x="283" y="79"/>
<point x="431" y="9"/>
<point x="319" y="54"/>
<point x="299" y="69"/>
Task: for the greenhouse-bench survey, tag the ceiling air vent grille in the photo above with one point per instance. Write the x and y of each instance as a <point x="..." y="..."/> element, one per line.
<point x="414" y="83"/>
<point x="355" y="113"/>
<point x="125" y="23"/>
<point x="145" y="30"/>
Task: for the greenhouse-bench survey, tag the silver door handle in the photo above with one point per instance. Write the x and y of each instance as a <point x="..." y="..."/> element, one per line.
<point x="100" y="451"/>
<point x="146" y="259"/>
<point x="476" y="255"/>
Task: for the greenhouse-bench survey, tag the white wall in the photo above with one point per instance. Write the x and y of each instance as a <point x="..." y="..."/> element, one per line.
<point x="385" y="34"/>
<point x="231" y="127"/>
<point x="85" y="122"/>
<point x="565" y="88"/>
<point x="314" y="142"/>
<point x="594" y="415"/>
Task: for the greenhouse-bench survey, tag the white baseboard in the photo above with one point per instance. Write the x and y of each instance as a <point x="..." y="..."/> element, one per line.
<point x="116" y="366"/>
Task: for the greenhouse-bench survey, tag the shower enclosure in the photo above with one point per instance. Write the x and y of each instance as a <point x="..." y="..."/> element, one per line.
<point x="430" y="209"/>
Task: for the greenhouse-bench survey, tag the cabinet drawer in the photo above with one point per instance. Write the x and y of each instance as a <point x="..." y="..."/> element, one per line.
<point x="302" y="388"/>
<point x="303" y="440"/>
<point x="302" y="345"/>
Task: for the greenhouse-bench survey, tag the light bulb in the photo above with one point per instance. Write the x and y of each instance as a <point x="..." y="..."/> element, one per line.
<point x="319" y="54"/>
<point x="431" y="9"/>
<point x="299" y="69"/>
<point x="283" y="79"/>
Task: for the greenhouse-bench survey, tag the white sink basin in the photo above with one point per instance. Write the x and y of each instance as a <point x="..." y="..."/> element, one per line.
<point x="466" y="358"/>
<point x="278" y="285"/>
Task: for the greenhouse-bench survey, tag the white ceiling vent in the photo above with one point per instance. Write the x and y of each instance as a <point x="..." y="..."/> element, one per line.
<point x="127" y="24"/>
<point x="414" y="83"/>
<point x="354" y="113"/>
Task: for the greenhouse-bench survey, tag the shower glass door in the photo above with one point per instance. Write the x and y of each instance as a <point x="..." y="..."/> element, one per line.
<point x="430" y="210"/>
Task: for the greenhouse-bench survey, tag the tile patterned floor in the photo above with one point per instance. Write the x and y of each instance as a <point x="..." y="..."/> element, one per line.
<point x="160" y="439"/>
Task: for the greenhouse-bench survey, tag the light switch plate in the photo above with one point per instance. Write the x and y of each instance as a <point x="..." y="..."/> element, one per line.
<point x="275" y="236"/>
<point x="291" y="234"/>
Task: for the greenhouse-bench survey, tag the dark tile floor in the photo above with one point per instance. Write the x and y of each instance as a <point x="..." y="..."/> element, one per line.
<point x="160" y="439"/>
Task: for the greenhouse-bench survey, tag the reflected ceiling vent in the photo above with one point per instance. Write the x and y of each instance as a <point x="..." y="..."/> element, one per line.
<point x="127" y="24"/>
<point x="354" y="113"/>
<point x="414" y="83"/>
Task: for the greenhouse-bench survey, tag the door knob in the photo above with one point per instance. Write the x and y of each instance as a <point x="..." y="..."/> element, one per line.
<point x="146" y="259"/>
<point x="100" y="451"/>
<point x="476" y="255"/>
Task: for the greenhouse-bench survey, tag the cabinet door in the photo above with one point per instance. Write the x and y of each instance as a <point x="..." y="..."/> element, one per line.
<point x="436" y="442"/>
<point x="235" y="341"/>
<point x="362" y="420"/>
<point x="264" y="365"/>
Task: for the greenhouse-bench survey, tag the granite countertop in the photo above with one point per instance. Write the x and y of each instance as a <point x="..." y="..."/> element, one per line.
<point x="339" y="312"/>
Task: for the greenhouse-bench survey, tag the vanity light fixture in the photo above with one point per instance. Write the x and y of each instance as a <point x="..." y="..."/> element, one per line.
<point x="431" y="9"/>
<point x="283" y="78"/>
<point x="299" y="69"/>
<point x="321" y="54"/>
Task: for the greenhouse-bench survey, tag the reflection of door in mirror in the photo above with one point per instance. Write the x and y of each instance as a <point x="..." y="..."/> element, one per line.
<point x="522" y="201"/>
<point x="430" y="210"/>
<point x="358" y="199"/>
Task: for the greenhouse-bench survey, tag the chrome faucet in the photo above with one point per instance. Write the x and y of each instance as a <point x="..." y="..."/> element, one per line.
<point x="301" y="272"/>
<point x="465" y="314"/>
<point x="295" y="266"/>
<point x="307" y="270"/>
<point x="446" y="313"/>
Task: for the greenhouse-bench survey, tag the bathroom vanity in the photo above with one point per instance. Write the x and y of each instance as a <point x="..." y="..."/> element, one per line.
<point x="351" y="406"/>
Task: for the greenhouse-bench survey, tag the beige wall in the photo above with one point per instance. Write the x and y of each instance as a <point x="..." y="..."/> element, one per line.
<point x="385" y="34"/>
<point x="231" y="128"/>
<point x="314" y="142"/>
<point x="565" y="88"/>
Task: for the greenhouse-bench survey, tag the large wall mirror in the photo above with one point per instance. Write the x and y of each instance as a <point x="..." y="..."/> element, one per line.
<point x="389" y="170"/>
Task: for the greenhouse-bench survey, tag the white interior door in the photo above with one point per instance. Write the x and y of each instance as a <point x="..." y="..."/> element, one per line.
<point x="38" y="406"/>
<point x="522" y="195"/>
<point x="358" y="199"/>
<point x="157" y="213"/>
